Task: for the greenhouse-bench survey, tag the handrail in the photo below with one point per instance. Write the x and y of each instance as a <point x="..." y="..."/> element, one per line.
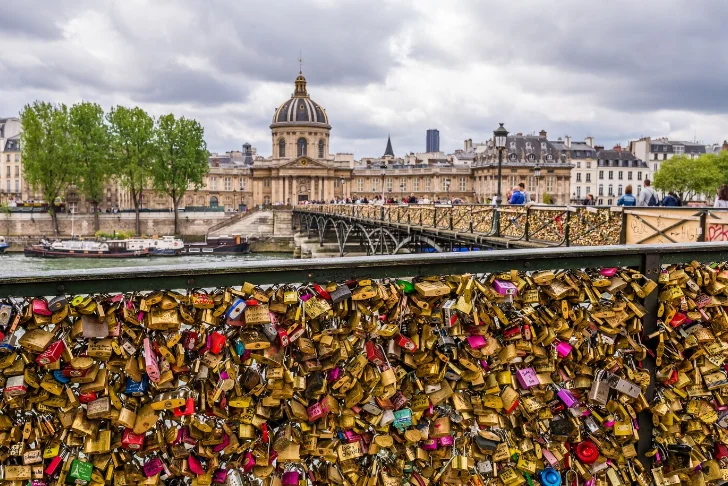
<point x="549" y="225"/>
<point x="208" y="275"/>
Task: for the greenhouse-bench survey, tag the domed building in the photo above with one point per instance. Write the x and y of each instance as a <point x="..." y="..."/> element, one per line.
<point x="301" y="168"/>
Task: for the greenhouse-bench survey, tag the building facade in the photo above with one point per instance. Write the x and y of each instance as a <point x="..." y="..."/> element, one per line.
<point x="433" y="140"/>
<point x="654" y="151"/>
<point x="617" y="169"/>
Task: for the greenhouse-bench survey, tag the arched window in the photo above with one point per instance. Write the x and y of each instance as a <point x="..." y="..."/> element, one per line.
<point x="610" y="190"/>
<point x="213" y="202"/>
<point x="619" y="190"/>
<point x="321" y="149"/>
<point x="601" y="189"/>
<point x="301" y="147"/>
<point x="281" y="148"/>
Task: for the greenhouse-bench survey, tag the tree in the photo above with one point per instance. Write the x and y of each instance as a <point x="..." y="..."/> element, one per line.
<point x="688" y="177"/>
<point x="49" y="164"/>
<point x="90" y="137"/>
<point x="132" y="149"/>
<point x="180" y="159"/>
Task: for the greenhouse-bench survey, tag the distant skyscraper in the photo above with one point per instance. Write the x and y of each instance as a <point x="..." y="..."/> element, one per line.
<point x="433" y="140"/>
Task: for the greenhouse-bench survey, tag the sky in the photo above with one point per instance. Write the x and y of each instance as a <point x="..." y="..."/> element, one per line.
<point x="614" y="70"/>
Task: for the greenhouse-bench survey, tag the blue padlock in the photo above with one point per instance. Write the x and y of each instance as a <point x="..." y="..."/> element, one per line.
<point x="236" y="309"/>
<point x="549" y="477"/>
<point x="58" y="375"/>
<point x="239" y="348"/>
<point x="403" y="418"/>
<point x="137" y="388"/>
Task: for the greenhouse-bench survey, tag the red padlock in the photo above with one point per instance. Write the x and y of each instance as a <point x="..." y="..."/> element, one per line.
<point x="217" y="342"/>
<point x="282" y="336"/>
<point x="587" y="452"/>
<point x="187" y="409"/>
<point x="132" y="441"/>
<point x="189" y="340"/>
<point x="322" y="292"/>
<point x="51" y="354"/>
<point x="406" y="343"/>
<point x="374" y="353"/>
<point x="87" y="397"/>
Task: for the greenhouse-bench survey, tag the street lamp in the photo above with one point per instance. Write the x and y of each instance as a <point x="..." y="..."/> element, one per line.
<point x="537" y="174"/>
<point x="447" y="188"/>
<point x="401" y="189"/>
<point x="500" y="136"/>
<point x="384" y="173"/>
<point x="235" y="199"/>
<point x="343" y="192"/>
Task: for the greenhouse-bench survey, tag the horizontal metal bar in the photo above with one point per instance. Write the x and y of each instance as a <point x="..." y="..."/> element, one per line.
<point x="321" y="270"/>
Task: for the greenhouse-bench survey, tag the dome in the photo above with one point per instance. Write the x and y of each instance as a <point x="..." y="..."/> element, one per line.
<point x="300" y="109"/>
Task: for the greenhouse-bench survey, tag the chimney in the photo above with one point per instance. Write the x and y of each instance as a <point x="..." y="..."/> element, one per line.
<point x="725" y="146"/>
<point x="542" y="134"/>
<point x="618" y="147"/>
<point x="469" y="145"/>
<point x="567" y="141"/>
<point x="598" y="147"/>
<point x="589" y="141"/>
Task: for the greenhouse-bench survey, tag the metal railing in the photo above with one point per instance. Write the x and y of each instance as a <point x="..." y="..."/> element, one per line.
<point x="549" y="225"/>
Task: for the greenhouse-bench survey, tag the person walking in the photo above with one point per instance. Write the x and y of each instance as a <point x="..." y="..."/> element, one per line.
<point x="670" y="200"/>
<point x="627" y="198"/>
<point x="721" y="200"/>
<point x="517" y="196"/>
<point x="648" y="196"/>
<point x="526" y="195"/>
<point x="589" y="201"/>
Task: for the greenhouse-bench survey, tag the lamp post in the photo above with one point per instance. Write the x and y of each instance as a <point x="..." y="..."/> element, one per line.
<point x="447" y="188"/>
<point x="401" y="189"/>
<point x="500" y="135"/>
<point x="384" y="173"/>
<point x="235" y="199"/>
<point x="537" y="175"/>
<point x="343" y="192"/>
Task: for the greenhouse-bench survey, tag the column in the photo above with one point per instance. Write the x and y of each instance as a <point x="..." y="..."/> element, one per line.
<point x="294" y="192"/>
<point x="320" y="188"/>
<point x="285" y="190"/>
<point x="329" y="189"/>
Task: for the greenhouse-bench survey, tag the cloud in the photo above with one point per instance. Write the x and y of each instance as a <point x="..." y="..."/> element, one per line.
<point x="615" y="70"/>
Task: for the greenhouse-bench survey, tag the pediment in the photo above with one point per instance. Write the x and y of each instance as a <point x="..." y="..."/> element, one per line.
<point x="304" y="163"/>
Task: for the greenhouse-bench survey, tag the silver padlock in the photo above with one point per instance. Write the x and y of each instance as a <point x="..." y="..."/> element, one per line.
<point x="234" y="478"/>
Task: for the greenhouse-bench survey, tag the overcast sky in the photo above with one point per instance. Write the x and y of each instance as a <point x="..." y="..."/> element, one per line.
<point x="616" y="70"/>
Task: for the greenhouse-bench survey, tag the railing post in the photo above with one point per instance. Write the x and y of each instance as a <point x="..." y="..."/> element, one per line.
<point x="471" y="218"/>
<point x="434" y="217"/>
<point x="381" y="213"/>
<point x="450" y="225"/>
<point x="623" y="228"/>
<point x="496" y="220"/>
<point x="651" y="270"/>
<point x="703" y="224"/>
<point x="527" y="226"/>
<point x="567" y="230"/>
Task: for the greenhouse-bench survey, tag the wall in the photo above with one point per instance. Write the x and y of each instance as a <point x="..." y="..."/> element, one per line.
<point x="25" y="224"/>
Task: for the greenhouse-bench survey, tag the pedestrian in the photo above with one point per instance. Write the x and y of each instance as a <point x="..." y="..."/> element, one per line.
<point x="671" y="200"/>
<point x="627" y="198"/>
<point x="526" y="195"/>
<point x="516" y="196"/>
<point x="721" y="200"/>
<point x="589" y="201"/>
<point x="648" y="196"/>
<point x="412" y="199"/>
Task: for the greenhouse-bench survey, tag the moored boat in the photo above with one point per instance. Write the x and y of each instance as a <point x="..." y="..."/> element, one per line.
<point x="3" y="245"/>
<point x="218" y="245"/>
<point x="84" y="249"/>
<point x="164" y="246"/>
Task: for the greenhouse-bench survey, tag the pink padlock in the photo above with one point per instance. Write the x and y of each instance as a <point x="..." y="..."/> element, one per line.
<point x="527" y="378"/>
<point x="563" y="349"/>
<point x="504" y="287"/>
<point x="429" y="444"/>
<point x="219" y="476"/>
<point x="150" y="361"/>
<point x="40" y="307"/>
<point x="477" y="342"/>
<point x="315" y="412"/>
<point x="333" y="374"/>
<point x="195" y="465"/>
<point x="153" y="467"/>
<point x="446" y="441"/>
<point x="249" y="462"/>
<point x="608" y="272"/>
<point x="290" y="478"/>
<point x="222" y="445"/>
<point x="351" y="436"/>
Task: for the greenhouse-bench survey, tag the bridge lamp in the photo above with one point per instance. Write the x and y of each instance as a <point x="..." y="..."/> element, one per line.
<point x="384" y="173"/>
<point x="447" y="188"/>
<point x="500" y="137"/>
<point x="537" y="174"/>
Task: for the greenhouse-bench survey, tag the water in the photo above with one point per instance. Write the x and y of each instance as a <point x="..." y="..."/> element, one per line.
<point x="14" y="263"/>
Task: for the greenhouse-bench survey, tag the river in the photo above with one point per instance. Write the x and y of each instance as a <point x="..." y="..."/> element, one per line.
<point x="14" y="263"/>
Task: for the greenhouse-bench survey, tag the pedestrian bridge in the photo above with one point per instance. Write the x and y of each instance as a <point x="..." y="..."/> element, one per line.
<point x="391" y="229"/>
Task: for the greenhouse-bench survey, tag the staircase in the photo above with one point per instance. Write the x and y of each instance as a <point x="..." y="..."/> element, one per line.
<point x="258" y="224"/>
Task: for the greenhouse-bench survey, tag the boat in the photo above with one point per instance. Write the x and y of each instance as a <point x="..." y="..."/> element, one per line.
<point x="164" y="246"/>
<point x="218" y="245"/>
<point x="3" y="245"/>
<point x="84" y="249"/>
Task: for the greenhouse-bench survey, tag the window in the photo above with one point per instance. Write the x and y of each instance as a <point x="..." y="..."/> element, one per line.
<point x="228" y="183"/>
<point x="8" y="174"/>
<point x="549" y="183"/>
<point x="664" y="157"/>
<point x="402" y="184"/>
<point x="416" y="184"/>
<point x="7" y="158"/>
<point x="588" y="189"/>
<point x="588" y="176"/>
<point x="578" y="192"/>
<point x="321" y="149"/>
<point x="678" y="149"/>
<point x="609" y="202"/>
<point x="578" y="177"/>
<point x="463" y="184"/>
<point x="543" y="145"/>
<point x="513" y="145"/>
<point x="619" y="190"/>
<point x="213" y="184"/>
<point x="629" y="175"/>
<point x="266" y="182"/>
<point x="301" y="147"/>
<point x="639" y="175"/>
<point x="528" y="145"/>
<point x="601" y="174"/>
<point x="619" y="175"/>
<point x="578" y="164"/>
<point x="610" y="190"/>
<point x="375" y="185"/>
<point x="389" y="183"/>
<point x="242" y="183"/>
<point x="588" y="164"/>
<point x="360" y="184"/>
<point x="654" y="167"/>
<point x="601" y="189"/>
<point x="611" y="175"/>
<point x="655" y="157"/>
<point x="213" y="202"/>
<point x="17" y="157"/>
<point x="428" y="183"/>
<point x="281" y="148"/>
<point x="17" y="185"/>
<point x="266" y="200"/>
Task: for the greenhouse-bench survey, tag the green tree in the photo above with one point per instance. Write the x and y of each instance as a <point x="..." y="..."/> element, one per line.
<point x="132" y="149"/>
<point x="49" y="164"/>
<point x="688" y="177"/>
<point x="180" y="159"/>
<point x="90" y="137"/>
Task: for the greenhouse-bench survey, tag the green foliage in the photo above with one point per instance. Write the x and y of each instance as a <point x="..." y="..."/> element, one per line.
<point x="132" y="150"/>
<point x="90" y="138"/>
<point x="49" y="164"/>
<point x="690" y="177"/>
<point x="547" y="198"/>
<point x="116" y="235"/>
<point x="180" y="158"/>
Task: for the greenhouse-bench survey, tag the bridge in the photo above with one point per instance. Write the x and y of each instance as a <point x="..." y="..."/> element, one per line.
<point x="415" y="228"/>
